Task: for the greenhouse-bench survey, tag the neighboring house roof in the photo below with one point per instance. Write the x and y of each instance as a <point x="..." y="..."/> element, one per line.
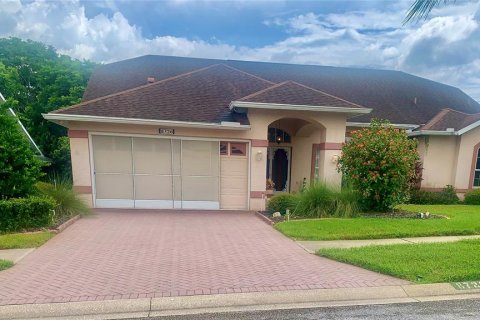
<point x="451" y="119"/>
<point x="400" y="97"/>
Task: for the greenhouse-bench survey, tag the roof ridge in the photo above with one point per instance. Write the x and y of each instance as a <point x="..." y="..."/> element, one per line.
<point x="328" y="94"/>
<point x="264" y="90"/>
<point x="138" y="88"/>
<point x="439" y="116"/>
<point x="244" y="72"/>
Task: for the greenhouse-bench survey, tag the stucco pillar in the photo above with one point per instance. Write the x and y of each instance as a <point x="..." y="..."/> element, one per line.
<point x="258" y="166"/>
<point x="80" y="155"/>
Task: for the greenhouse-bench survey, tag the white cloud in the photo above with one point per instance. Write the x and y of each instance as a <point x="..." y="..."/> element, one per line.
<point x="444" y="48"/>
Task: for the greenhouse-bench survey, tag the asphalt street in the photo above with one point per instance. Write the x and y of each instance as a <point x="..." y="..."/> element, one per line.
<point x="454" y="309"/>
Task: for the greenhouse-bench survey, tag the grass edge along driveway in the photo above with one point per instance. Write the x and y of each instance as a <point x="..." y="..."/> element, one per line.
<point x="24" y="240"/>
<point x="420" y="263"/>
<point x="464" y="220"/>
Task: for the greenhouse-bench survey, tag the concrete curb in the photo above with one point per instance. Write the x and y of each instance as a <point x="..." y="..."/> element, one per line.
<point x="265" y="219"/>
<point x="149" y="307"/>
<point x="66" y="224"/>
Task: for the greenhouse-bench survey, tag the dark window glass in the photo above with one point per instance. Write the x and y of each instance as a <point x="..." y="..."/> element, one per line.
<point x="223" y="148"/>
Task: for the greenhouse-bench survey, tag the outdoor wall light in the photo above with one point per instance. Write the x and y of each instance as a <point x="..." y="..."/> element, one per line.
<point x="279" y="139"/>
<point x="335" y="158"/>
<point x="259" y="155"/>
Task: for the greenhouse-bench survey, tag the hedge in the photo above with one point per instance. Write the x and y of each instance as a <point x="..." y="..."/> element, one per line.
<point x="26" y="213"/>
<point x="473" y="197"/>
<point x="281" y="202"/>
<point x="447" y="196"/>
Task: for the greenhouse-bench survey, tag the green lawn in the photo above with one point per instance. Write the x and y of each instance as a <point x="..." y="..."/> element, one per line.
<point x="5" y="264"/>
<point x="464" y="220"/>
<point x="24" y="240"/>
<point x="435" y="262"/>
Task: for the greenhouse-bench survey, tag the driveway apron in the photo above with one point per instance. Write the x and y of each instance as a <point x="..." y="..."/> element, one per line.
<point x="125" y="254"/>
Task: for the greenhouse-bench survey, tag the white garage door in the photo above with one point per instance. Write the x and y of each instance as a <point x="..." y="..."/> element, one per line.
<point x="133" y="172"/>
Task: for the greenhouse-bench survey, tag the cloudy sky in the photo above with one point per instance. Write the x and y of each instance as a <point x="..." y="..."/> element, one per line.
<point x="368" y="33"/>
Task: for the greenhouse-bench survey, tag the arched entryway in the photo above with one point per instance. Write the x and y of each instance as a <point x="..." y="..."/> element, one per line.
<point x="290" y="160"/>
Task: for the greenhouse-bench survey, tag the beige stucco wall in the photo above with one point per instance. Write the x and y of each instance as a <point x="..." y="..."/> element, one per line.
<point x="330" y="129"/>
<point x="463" y="168"/>
<point x="448" y="160"/>
<point x="439" y="155"/>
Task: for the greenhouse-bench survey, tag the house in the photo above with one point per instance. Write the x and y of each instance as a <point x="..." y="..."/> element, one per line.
<point x="171" y="132"/>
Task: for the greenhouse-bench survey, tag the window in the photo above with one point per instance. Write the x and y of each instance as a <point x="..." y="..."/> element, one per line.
<point x="476" y="174"/>
<point x="278" y="136"/>
<point x="223" y="148"/>
<point x="233" y="148"/>
<point x="238" y="149"/>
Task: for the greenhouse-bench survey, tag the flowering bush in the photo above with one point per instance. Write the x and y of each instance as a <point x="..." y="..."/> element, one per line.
<point x="379" y="161"/>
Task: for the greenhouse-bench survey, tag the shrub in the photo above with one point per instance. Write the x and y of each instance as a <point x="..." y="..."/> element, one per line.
<point x="447" y="196"/>
<point x="320" y="200"/>
<point x="472" y="197"/>
<point x="281" y="202"/>
<point x="26" y="213"/>
<point x="19" y="167"/>
<point x="68" y="202"/>
<point x="379" y="162"/>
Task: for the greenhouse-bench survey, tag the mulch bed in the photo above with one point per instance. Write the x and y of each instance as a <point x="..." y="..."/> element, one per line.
<point x="389" y="215"/>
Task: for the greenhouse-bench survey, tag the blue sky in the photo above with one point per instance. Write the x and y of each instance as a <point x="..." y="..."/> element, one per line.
<point x="445" y="48"/>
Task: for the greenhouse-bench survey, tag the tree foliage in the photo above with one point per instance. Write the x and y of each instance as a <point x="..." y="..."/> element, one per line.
<point x="39" y="80"/>
<point x="19" y="166"/>
<point x="379" y="161"/>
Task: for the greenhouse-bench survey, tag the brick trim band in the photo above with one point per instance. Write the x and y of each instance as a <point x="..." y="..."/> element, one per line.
<point x="259" y="143"/>
<point x="257" y="194"/>
<point x="330" y="146"/>
<point x="82" y="134"/>
<point x="82" y="189"/>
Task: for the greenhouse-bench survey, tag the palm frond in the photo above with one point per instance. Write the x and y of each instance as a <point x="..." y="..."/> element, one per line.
<point x="420" y="9"/>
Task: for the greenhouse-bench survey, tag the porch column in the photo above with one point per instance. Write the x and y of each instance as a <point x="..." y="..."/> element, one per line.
<point x="258" y="166"/>
<point x="80" y="155"/>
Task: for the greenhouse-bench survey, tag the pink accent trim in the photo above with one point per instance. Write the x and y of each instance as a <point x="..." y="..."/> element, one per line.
<point x="330" y="146"/>
<point x="474" y="162"/>
<point x="82" y="189"/>
<point x="83" y="134"/>
<point x="259" y="143"/>
<point x="257" y="194"/>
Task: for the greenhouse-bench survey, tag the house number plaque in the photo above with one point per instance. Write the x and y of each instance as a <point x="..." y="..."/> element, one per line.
<point x="166" y="132"/>
<point x="466" y="285"/>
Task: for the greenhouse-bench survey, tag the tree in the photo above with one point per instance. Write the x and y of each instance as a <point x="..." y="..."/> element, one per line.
<point x="40" y="80"/>
<point x="379" y="162"/>
<point x="19" y="166"/>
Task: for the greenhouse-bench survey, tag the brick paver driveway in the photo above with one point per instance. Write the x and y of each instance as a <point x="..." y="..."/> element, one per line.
<point x="146" y="253"/>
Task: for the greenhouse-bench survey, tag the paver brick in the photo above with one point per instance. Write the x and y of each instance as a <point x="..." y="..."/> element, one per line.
<point x="125" y="254"/>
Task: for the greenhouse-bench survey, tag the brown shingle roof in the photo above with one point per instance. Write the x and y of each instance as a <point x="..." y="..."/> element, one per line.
<point x="448" y="118"/>
<point x="202" y="95"/>
<point x="393" y="95"/>
<point x="290" y="92"/>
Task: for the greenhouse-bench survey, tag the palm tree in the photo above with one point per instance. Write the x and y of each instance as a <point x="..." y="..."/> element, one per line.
<point x="420" y="9"/>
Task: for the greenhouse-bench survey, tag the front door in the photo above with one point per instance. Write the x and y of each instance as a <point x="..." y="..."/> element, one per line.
<point x="278" y="167"/>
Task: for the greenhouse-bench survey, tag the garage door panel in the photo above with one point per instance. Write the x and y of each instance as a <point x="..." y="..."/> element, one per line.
<point x="114" y="186"/>
<point x="112" y="154"/>
<point x="200" y="158"/>
<point x="152" y="156"/>
<point x="149" y="187"/>
<point x="200" y="188"/>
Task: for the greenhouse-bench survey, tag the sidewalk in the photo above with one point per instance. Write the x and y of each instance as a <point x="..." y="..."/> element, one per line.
<point x="15" y="255"/>
<point x="313" y="246"/>
<point x="236" y="302"/>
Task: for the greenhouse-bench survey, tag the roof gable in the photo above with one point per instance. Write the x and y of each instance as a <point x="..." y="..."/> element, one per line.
<point x="450" y="119"/>
<point x="293" y="93"/>
<point x="199" y="96"/>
